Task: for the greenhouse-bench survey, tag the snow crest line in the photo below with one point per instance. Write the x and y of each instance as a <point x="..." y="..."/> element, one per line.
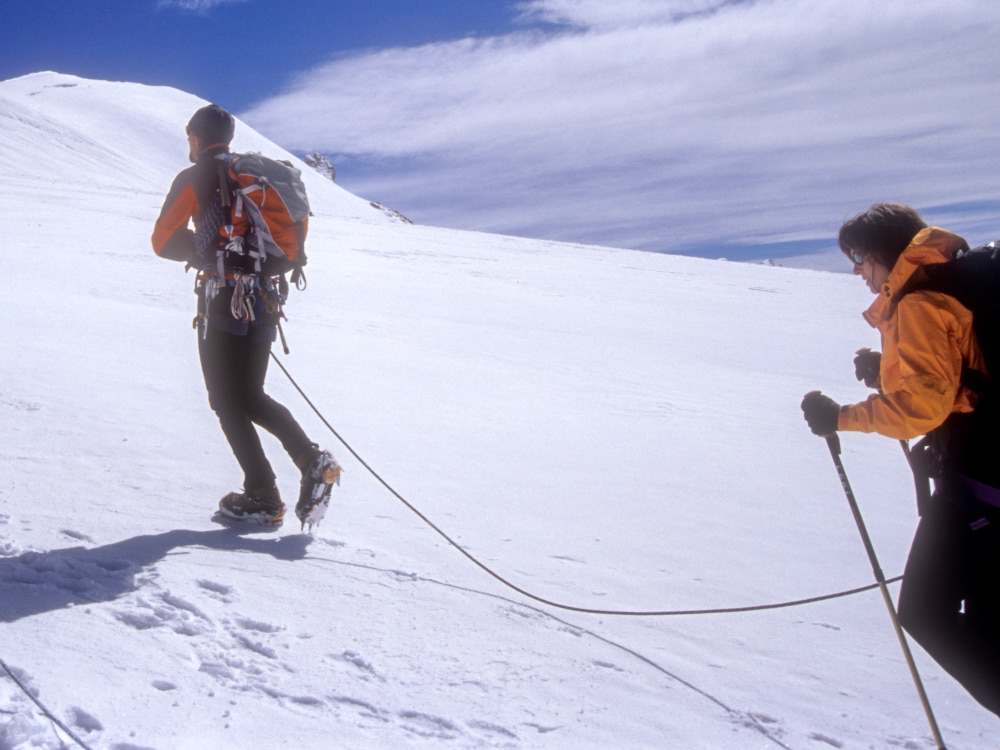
<point x="570" y="608"/>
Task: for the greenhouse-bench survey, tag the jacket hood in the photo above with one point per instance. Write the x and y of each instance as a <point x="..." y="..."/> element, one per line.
<point x="928" y="247"/>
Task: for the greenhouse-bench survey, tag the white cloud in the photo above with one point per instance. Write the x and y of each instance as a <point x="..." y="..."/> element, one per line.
<point x="196" y="6"/>
<point x="600" y="14"/>
<point x="680" y="124"/>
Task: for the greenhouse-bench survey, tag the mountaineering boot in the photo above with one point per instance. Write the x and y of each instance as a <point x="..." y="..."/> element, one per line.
<point x="262" y="505"/>
<point x="320" y="471"/>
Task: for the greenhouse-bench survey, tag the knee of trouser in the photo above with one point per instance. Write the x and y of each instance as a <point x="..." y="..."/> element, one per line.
<point x="224" y="403"/>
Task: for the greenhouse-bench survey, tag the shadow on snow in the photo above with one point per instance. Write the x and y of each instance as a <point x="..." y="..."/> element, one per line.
<point x="36" y="582"/>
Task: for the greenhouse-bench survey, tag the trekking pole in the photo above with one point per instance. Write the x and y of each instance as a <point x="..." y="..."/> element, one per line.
<point x="833" y="442"/>
<point x="905" y="445"/>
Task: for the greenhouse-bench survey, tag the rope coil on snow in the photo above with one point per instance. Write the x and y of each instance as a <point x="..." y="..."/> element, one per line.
<point x="548" y="602"/>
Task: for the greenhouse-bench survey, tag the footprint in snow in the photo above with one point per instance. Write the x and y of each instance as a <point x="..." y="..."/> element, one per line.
<point x="353" y="659"/>
<point x="165" y="610"/>
<point x="77" y="535"/>
<point x="486" y="727"/>
<point x="608" y="665"/>
<point x="543" y="729"/>
<point x="817" y="737"/>
<point x="364" y="708"/>
<point x="425" y="725"/>
<point x="826" y="625"/>
<point x="257" y="626"/>
<point x="333" y="543"/>
<point x="256" y="647"/>
<point x="219" y="591"/>
<point x="85" y="721"/>
<point x="567" y="558"/>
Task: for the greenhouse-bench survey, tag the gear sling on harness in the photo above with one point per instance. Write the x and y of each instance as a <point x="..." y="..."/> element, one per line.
<point x="265" y="218"/>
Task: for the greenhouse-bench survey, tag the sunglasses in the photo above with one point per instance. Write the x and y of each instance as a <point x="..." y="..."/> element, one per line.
<point x="858" y="257"/>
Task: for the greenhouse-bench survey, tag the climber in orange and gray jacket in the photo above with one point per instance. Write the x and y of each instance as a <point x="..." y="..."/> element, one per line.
<point x="237" y="321"/>
<point x="925" y="379"/>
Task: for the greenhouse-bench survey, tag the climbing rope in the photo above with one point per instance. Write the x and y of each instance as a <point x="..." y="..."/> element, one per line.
<point x="570" y="608"/>
<point x="48" y="714"/>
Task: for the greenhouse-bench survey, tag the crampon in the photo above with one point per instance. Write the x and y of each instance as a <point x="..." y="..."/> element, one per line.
<point x="317" y="484"/>
<point x="243" y="507"/>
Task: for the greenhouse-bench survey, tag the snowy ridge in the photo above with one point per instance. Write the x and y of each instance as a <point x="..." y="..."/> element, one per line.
<point x="124" y="136"/>
<point x="604" y="427"/>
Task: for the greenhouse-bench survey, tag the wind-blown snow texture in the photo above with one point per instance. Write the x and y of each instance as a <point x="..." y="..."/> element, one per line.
<point x="605" y="428"/>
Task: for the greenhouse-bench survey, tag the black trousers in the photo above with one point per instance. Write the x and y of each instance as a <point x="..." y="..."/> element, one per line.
<point x="235" y="368"/>
<point x="950" y="598"/>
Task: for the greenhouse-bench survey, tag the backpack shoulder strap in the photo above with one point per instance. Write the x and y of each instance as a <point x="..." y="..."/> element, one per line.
<point x="225" y="188"/>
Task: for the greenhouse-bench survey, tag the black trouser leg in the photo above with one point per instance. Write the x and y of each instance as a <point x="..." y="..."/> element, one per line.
<point x="950" y="599"/>
<point x="264" y="410"/>
<point x="235" y="368"/>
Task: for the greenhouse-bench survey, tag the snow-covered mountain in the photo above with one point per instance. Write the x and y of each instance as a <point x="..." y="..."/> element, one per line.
<point x="606" y="429"/>
<point x="322" y="165"/>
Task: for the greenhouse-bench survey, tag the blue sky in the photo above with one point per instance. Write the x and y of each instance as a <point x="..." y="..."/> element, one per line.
<point x="207" y="47"/>
<point x="744" y="129"/>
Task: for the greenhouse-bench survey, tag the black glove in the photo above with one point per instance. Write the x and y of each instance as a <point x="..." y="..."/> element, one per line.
<point x="867" y="367"/>
<point x="821" y="413"/>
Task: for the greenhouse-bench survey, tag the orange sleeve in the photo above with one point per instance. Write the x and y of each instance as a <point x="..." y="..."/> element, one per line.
<point x="179" y="207"/>
<point x="922" y="360"/>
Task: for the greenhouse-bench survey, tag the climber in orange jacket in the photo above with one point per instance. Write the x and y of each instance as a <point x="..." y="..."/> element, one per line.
<point x="928" y="380"/>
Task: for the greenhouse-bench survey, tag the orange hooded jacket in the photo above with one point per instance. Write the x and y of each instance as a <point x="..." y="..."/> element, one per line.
<point x="927" y="338"/>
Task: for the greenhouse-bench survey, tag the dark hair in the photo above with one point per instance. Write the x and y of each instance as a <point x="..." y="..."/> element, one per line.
<point x="883" y="232"/>
<point x="212" y="124"/>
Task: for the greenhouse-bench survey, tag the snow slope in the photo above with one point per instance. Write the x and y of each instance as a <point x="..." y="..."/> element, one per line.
<point x="607" y="429"/>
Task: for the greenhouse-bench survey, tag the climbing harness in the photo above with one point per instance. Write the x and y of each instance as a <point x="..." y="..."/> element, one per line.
<point x="252" y="294"/>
